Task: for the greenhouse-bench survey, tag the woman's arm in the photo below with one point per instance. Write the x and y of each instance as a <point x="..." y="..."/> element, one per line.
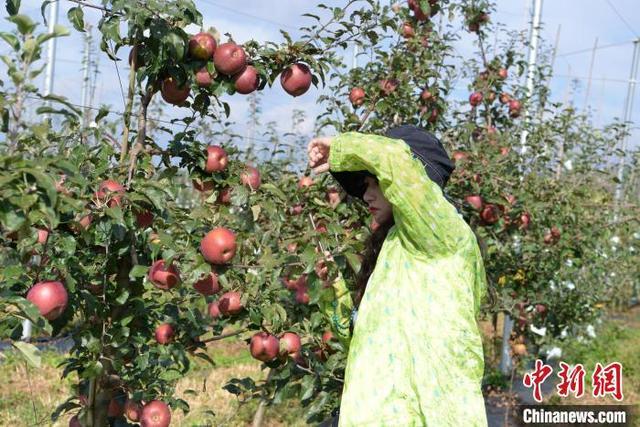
<point x="424" y="218"/>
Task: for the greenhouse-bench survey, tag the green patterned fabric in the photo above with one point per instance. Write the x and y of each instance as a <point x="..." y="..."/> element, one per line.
<point x="415" y="357"/>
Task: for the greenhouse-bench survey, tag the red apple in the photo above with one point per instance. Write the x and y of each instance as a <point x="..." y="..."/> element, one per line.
<point x="296" y="210"/>
<point x="555" y="232"/>
<point x="414" y="5"/>
<point x="144" y="219"/>
<point x="491" y="96"/>
<point x="511" y="199"/>
<point x="294" y="285"/>
<point x="433" y="117"/>
<point x="407" y="30"/>
<point x="203" y="77"/>
<point x="525" y="220"/>
<point x="264" y="346"/>
<point x="251" y="177"/>
<point x="229" y="59"/>
<point x="474" y="27"/>
<point x="155" y="414"/>
<point x="426" y="95"/>
<point x="548" y="239"/>
<point x="541" y="309"/>
<point x="475" y="201"/>
<point x="132" y="410"/>
<point x="247" y="80"/>
<point x="490" y="214"/>
<point x="503" y="73"/>
<point x="388" y="86"/>
<point x="514" y="108"/>
<point x="136" y="50"/>
<point x="217" y="159"/>
<point x="225" y="196"/>
<point x="164" y="333"/>
<point x="115" y="408"/>
<point x="305" y="182"/>
<point x="299" y="359"/>
<point x="172" y="93"/>
<point x="51" y="298"/>
<point x="290" y="343"/>
<point x="356" y="96"/>
<point x="296" y="79"/>
<point x="111" y="190"/>
<point x="43" y="236"/>
<point x="504" y="98"/>
<point x="321" y="228"/>
<point x="333" y="197"/>
<point x="164" y="277"/>
<point x="218" y="246"/>
<point x="208" y="285"/>
<point x="475" y="99"/>
<point x="459" y="155"/>
<point x="320" y="354"/>
<point x="504" y="150"/>
<point x="519" y="349"/>
<point x="291" y="247"/>
<point x="214" y="309"/>
<point x="229" y="303"/>
<point x="202" y="46"/>
<point x="302" y="296"/>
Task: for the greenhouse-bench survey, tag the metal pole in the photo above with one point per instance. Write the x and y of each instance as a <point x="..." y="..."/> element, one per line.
<point x="51" y="50"/>
<point x="553" y="62"/>
<point x="548" y="83"/>
<point x="628" y="108"/>
<point x="85" y="77"/>
<point x="593" y="58"/>
<point x="505" y="357"/>
<point x="531" y="68"/>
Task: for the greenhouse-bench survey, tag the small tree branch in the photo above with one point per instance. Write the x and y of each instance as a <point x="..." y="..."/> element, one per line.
<point x="223" y="336"/>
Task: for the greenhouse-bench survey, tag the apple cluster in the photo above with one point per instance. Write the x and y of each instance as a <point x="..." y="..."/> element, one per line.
<point x="230" y="61"/>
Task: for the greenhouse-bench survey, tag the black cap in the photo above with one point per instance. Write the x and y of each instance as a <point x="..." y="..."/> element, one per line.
<point x="424" y="145"/>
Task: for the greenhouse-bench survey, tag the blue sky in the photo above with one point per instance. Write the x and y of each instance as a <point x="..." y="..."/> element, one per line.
<point x="582" y="21"/>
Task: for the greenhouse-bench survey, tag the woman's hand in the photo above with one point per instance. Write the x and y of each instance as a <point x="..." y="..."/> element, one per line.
<point x="318" y="151"/>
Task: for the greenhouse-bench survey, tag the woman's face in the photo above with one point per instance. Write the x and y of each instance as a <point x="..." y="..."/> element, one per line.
<point x="379" y="206"/>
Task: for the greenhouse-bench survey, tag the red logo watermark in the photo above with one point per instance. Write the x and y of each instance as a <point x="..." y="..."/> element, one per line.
<point x="606" y="380"/>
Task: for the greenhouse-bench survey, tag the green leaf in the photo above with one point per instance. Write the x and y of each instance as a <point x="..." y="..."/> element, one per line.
<point x="11" y="40"/>
<point x="58" y="31"/>
<point x="24" y="23"/>
<point x="275" y="190"/>
<point x="29" y="351"/>
<point x="255" y="210"/>
<point x="354" y="261"/>
<point x="138" y="271"/>
<point x="76" y="17"/>
<point x="13" y="6"/>
<point x="104" y="110"/>
<point x="62" y="100"/>
<point x="42" y="9"/>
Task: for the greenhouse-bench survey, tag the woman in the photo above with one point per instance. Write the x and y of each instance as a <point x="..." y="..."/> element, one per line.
<point x="415" y="356"/>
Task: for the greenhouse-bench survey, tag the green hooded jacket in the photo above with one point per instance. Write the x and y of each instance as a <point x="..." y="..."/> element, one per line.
<point x="415" y="357"/>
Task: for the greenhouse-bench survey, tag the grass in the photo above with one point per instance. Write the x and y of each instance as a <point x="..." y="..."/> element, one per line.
<point x="232" y="360"/>
<point x="616" y="341"/>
